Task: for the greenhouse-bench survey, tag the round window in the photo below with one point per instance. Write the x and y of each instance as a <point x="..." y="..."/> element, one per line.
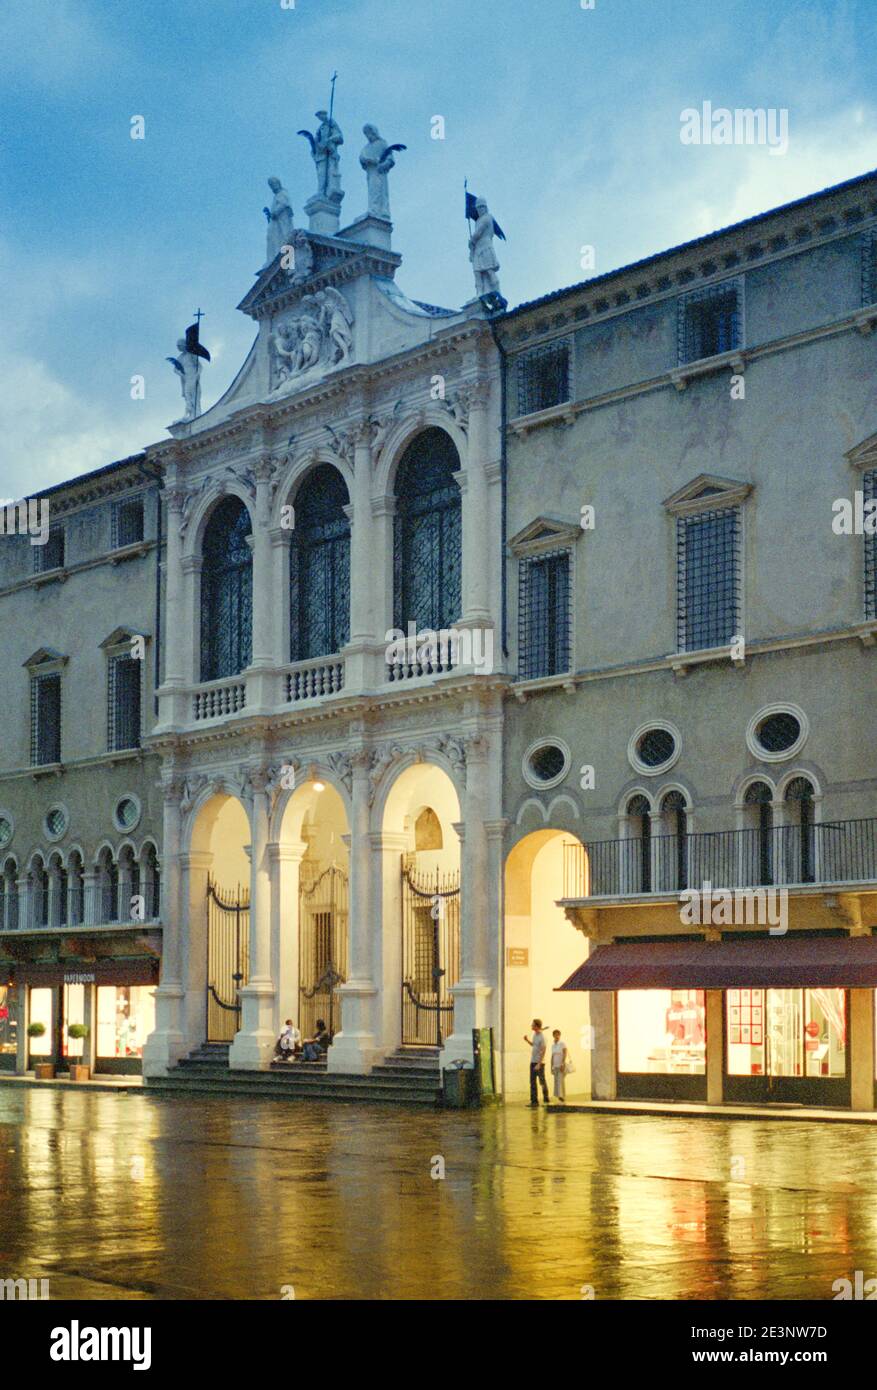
<point x="56" y="822"/>
<point x="127" y="813"/>
<point x="656" y="747"/>
<point x="546" y="762"/>
<point x="6" y="831"/>
<point x="778" y="732"/>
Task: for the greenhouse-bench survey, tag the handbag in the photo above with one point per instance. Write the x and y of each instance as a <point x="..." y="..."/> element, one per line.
<point x="568" y="1067"/>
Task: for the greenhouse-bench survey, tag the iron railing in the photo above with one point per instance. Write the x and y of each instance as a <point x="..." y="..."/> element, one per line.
<point x="829" y="852"/>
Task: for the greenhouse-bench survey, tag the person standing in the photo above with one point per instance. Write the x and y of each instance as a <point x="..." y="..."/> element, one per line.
<point x="559" y="1064"/>
<point x="537" y="1047"/>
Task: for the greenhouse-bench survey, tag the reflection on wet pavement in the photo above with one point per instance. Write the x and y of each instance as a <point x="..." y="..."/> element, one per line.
<point x="132" y="1196"/>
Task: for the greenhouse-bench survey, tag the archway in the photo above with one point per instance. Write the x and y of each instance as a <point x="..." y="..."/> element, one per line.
<point x="421" y="893"/>
<point x="216" y="890"/>
<point x="311" y="896"/>
<point x="542" y="949"/>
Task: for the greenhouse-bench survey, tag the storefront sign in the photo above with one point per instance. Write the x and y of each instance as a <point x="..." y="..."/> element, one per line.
<point x="517" y="955"/>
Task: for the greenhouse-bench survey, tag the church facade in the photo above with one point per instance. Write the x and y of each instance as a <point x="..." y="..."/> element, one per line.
<point x="330" y="709"/>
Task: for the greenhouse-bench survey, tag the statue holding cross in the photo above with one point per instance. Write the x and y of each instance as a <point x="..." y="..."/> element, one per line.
<point x="324" y="151"/>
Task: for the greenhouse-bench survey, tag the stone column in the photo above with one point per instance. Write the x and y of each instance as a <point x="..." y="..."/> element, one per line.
<point x="24" y="901"/>
<point x="387" y="848"/>
<point x="383" y="510"/>
<point x="477" y="552"/>
<point x="191" y="566"/>
<point x="861" y="1044"/>
<point x="604" y="1073"/>
<point x="280" y="538"/>
<point x="358" y="654"/>
<point x="358" y="1045"/>
<point x="172" y="702"/>
<point x="92" y="905"/>
<point x="285" y="865"/>
<point x="715" y="1051"/>
<point x="55" y="905"/>
<point x="261" y="693"/>
<point x="195" y="867"/>
<point x="473" y="991"/>
<point x="253" y="1044"/>
<point x="164" y="1047"/>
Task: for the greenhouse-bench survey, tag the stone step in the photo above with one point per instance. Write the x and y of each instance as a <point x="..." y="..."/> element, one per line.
<point x="337" y="1088"/>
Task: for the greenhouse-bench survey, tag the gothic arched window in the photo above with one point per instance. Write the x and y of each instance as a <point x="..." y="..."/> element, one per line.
<point x="675" y="812"/>
<point x="227" y="592"/>
<point x="800" y="854"/>
<point x="427" y="586"/>
<point x="640" y="833"/>
<point x="759" y="796"/>
<point x="319" y="567"/>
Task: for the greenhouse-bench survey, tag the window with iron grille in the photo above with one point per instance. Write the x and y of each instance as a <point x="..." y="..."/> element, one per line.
<point x="128" y="522"/>
<point x="707" y="579"/>
<point x="227" y="592"/>
<point x="544" y="376"/>
<point x="319" y="567"/>
<point x="51" y="555"/>
<point x="869" y="267"/>
<point x="869" y="491"/>
<point x="544" y="615"/>
<point x="427" y="535"/>
<point x="710" y="321"/>
<point x="45" y="720"/>
<point x="123" y="703"/>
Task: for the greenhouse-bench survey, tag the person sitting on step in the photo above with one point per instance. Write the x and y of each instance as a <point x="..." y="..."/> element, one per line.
<point x="315" y="1048"/>
<point x="288" y="1044"/>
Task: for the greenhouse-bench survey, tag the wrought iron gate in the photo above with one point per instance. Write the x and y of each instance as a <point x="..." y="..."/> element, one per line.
<point x="228" y="958"/>
<point x="322" y="948"/>
<point x="430" y="954"/>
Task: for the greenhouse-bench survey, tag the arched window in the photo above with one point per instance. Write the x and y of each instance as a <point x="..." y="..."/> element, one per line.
<point x="319" y="567"/>
<point x="227" y="592"/>
<point x="75" y="890"/>
<point x="151" y="880"/>
<point x="108" y="883"/>
<point x="800" y="852"/>
<point x="129" y="885"/>
<point x="427" y="537"/>
<point x="674" y="811"/>
<point x="58" y="892"/>
<point x="640" y="834"/>
<point x="39" y="893"/>
<point x="759" y="846"/>
<point x="9" y="881"/>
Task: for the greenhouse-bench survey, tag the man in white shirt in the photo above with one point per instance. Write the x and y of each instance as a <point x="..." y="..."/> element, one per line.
<point x="288" y="1044"/>
<point x="537" y="1047"/>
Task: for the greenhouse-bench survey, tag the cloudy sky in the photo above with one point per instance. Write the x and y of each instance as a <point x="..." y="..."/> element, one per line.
<point x="568" y="119"/>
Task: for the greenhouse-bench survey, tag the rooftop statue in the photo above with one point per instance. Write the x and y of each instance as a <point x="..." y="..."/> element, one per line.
<point x="279" y="215"/>
<point x="324" y="152"/>
<point x="377" y="161"/>
<point x="188" y="368"/>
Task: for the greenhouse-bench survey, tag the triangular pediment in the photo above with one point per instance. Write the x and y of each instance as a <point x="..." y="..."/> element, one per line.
<point x="864" y="455"/>
<point x="708" y="490"/>
<point x="545" y="533"/>
<point x="120" y="637"/>
<point x="44" y="656"/>
<point x="318" y="261"/>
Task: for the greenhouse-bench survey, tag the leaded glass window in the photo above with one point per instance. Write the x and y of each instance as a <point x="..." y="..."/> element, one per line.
<point x="710" y="322"/>
<point x="123" y="703"/>
<point x="544" y="376"/>
<point x="544" y="615"/>
<point x="708" y="579"/>
<point x="45" y="720"/>
<point x="427" y="565"/>
<point x="227" y="592"/>
<point x="319" y="567"/>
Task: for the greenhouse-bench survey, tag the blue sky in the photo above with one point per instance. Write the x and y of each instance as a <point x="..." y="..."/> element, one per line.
<point x="567" y="119"/>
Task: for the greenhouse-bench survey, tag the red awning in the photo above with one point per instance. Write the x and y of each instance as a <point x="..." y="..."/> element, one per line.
<point x="842" y="962"/>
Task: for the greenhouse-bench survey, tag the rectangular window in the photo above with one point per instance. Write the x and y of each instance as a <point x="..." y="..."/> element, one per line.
<point x="125" y="1018"/>
<point x="786" y="1032"/>
<point x="709" y="322"/>
<point x="544" y="611"/>
<point x="123" y="703"/>
<point x="708" y="579"/>
<point x="128" y="523"/>
<point x="869" y="491"/>
<point x="662" y="1031"/>
<point x="51" y="555"/>
<point x="869" y="267"/>
<point x="544" y="376"/>
<point x="45" y="720"/>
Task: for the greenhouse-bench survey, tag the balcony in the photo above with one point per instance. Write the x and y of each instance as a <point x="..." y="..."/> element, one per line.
<point x="832" y="852"/>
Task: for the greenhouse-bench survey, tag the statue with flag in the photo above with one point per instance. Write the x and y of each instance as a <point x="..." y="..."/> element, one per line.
<point x="188" y="367"/>
<point x="483" y="228"/>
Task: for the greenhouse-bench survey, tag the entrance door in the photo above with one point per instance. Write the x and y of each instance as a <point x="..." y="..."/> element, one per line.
<point x="430" y="955"/>
<point x="323" y="900"/>
<point x="787" y="1046"/>
<point x="228" y="959"/>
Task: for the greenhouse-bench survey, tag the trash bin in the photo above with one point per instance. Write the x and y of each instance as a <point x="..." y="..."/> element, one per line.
<point x="458" y="1088"/>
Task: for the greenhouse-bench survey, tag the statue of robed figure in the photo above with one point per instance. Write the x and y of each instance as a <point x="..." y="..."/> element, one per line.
<point x="188" y="368"/>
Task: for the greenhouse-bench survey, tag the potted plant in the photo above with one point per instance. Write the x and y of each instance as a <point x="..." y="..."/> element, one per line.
<point x="79" y="1071"/>
<point x="43" y="1071"/>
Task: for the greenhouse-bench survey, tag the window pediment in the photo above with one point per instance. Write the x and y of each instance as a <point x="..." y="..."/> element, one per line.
<point x="44" y="660"/>
<point x="545" y="533"/>
<point x="122" y="637"/>
<point x="864" y="455"/>
<point x="705" y="492"/>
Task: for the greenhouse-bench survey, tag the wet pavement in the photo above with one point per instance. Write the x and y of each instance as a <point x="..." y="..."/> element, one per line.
<point x="133" y="1196"/>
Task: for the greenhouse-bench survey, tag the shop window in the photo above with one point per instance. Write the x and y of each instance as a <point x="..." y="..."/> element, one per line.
<point x="786" y="1032"/>
<point x="662" y="1031"/>
<point x="74" y="1012"/>
<point x="8" y="1019"/>
<point x="125" y="1018"/>
<point x="40" y="1011"/>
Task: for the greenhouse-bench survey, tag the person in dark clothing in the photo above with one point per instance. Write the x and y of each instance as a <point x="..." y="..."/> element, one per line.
<point x="537" y="1046"/>
<point x="319" y="1044"/>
